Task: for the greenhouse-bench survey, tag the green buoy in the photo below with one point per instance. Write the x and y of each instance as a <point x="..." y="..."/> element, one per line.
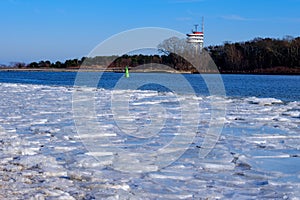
<point x="126" y="72"/>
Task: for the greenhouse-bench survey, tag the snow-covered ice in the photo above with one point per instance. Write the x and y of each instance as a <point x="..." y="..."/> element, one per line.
<point x="42" y="156"/>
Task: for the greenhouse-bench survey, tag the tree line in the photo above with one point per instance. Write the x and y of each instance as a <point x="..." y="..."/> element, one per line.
<point x="109" y="62"/>
<point x="260" y="55"/>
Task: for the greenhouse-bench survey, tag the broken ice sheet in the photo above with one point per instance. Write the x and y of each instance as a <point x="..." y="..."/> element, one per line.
<point x="42" y="156"/>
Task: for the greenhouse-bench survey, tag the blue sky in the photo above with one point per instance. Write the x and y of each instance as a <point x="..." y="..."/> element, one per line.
<point x="33" y="30"/>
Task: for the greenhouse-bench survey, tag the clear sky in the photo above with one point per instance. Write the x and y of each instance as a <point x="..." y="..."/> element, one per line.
<point x="33" y="30"/>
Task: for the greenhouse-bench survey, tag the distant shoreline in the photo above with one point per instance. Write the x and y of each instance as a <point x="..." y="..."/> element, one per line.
<point x="137" y="71"/>
<point x="92" y="70"/>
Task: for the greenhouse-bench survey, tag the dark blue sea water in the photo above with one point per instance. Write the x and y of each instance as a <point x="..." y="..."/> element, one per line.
<point x="283" y="87"/>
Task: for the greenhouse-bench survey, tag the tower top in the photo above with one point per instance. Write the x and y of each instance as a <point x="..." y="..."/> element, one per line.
<point x="202" y="24"/>
<point x="197" y="37"/>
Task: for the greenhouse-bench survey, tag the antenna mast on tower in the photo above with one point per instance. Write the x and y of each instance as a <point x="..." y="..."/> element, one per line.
<point x="196" y="27"/>
<point x="202" y="24"/>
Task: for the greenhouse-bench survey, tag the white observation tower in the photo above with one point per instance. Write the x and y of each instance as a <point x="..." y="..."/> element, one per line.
<point x="197" y="37"/>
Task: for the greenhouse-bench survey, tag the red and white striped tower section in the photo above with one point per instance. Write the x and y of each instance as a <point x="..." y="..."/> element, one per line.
<point x="197" y="37"/>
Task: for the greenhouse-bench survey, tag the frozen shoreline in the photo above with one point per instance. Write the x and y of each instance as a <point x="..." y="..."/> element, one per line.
<point x="42" y="156"/>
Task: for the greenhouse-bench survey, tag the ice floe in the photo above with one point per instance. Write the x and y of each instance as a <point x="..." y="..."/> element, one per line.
<point x="43" y="156"/>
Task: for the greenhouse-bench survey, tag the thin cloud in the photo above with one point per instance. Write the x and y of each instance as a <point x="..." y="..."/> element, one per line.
<point x="60" y="11"/>
<point x="186" y="1"/>
<point x="235" y="18"/>
<point x="37" y="11"/>
<point x="183" y="19"/>
<point x="285" y="19"/>
<point x="14" y="2"/>
<point x="270" y="19"/>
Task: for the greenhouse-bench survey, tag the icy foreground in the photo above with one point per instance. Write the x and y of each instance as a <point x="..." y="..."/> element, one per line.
<point x="43" y="157"/>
